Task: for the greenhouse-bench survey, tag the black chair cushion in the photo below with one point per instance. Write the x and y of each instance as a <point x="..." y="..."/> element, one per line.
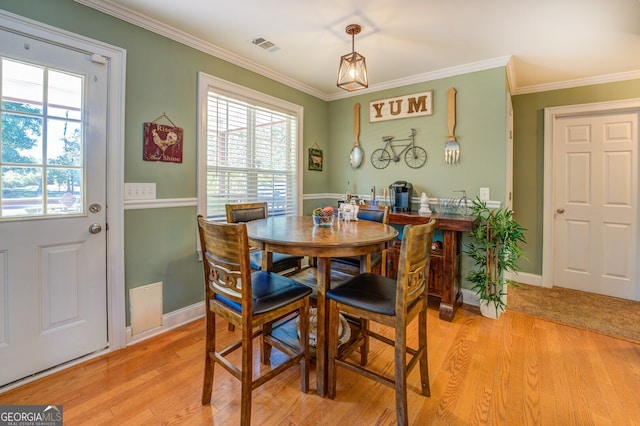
<point x="247" y="215"/>
<point x="376" y="258"/>
<point x="270" y="291"/>
<point x="281" y="262"/>
<point x="367" y="291"/>
<point x="373" y="215"/>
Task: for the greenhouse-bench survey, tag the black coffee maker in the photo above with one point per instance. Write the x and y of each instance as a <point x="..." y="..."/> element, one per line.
<point x="400" y="196"/>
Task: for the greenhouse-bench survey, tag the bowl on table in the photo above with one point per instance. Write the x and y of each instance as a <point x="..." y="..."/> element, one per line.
<point x="323" y="221"/>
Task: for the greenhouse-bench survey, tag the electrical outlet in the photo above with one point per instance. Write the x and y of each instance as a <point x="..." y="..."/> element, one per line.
<point x="139" y="191"/>
<point x="484" y="194"/>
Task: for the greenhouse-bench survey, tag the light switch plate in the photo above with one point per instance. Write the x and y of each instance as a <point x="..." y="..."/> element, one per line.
<point x="484" y="194"/>
<point x="139" y="191"/>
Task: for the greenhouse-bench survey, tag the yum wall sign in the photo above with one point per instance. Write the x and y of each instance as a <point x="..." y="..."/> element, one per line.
<point x="415" y="105"/>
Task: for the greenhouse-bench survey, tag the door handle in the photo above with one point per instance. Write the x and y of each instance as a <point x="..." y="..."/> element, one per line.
<point x="95" y="228"/>
<point x="560" y="210"/>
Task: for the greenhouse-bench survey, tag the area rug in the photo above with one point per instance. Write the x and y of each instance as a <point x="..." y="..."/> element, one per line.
<point x="607" y="315"/>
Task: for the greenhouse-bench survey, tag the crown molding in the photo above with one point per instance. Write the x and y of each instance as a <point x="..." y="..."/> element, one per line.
<point x="139" y="20"/>
<point x="142" y="21"/>
<point x="429" y="76"/>
<point x="511" y="76"/>
<point x="570" y="84"/>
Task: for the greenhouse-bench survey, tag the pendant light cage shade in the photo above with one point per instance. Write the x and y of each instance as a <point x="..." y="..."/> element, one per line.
<point x="352" y="71"/>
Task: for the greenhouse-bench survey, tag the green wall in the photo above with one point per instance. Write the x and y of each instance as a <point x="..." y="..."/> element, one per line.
<point x="528" y="161"/>
<point x="160" y="245"/>
<point x="162" y="78"/>
<point x="480" y="130"/>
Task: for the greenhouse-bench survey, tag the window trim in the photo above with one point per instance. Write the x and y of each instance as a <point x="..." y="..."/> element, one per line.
<point x="207" y="82"/>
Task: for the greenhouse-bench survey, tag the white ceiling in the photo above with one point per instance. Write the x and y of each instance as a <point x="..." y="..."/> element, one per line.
<point x="544" y="43"/>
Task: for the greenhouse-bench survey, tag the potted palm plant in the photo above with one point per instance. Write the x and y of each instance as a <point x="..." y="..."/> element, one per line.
<point x="495" y="248"/>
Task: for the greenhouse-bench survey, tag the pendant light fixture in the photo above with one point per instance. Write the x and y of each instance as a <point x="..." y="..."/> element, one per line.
<point x="352" y="72"/>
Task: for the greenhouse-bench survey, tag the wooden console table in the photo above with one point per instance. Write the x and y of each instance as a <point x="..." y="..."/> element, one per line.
<point x="444" y="272"/>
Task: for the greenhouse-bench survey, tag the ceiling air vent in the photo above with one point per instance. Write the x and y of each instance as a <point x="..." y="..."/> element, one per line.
<point x="265" y="44"/>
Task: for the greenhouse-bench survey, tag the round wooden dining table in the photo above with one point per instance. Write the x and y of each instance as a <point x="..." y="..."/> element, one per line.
<point x="297" y="235"/>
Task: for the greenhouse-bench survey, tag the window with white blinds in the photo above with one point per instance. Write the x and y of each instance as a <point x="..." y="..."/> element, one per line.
<point x="251" y="153"/>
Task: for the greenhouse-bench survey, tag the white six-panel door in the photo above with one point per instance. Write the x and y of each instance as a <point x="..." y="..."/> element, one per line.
<point x="595" y="213"/>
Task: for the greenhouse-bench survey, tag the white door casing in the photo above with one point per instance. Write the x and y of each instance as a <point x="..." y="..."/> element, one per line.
<point x="55" y="284"/>
<point x="591" y="194"/>
<point x="60" y="268"/>
<point x="509" y="165"/>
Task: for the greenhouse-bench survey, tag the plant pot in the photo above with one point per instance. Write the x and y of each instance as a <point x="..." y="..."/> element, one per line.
<point x="488" y="310"/>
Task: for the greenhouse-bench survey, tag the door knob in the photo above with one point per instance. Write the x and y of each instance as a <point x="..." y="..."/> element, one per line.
<point x="95" y="228"/>
<point x="560" y="210"/>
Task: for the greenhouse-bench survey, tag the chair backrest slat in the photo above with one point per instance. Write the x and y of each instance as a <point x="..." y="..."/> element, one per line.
<point x="225" y="250"/>
<point x="224" y="281"/>
<point x="413" y="270"/>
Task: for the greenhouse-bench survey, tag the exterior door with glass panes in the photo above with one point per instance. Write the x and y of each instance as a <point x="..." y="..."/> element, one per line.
<point x="53" y="306"/>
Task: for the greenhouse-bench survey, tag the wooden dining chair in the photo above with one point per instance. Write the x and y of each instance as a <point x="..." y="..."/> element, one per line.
<point x="351" y="264"/>
<point x="245" y="212"/>
<point x="250" y="300"/>
<point x="392" y="303"/>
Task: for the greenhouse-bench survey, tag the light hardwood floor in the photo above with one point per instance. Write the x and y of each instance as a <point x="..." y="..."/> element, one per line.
<point x="518" y="370"/>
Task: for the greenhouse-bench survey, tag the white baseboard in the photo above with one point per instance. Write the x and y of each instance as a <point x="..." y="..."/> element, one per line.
<point x="526" y="278"/>
<point x="195" y="311"/>
<point x="470" y="297"/>
<point x="190" y="313"/>
<point x="169" y="321"/>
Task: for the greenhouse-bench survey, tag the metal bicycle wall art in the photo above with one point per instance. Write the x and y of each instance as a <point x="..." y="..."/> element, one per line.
<point x="415" y="156"/>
